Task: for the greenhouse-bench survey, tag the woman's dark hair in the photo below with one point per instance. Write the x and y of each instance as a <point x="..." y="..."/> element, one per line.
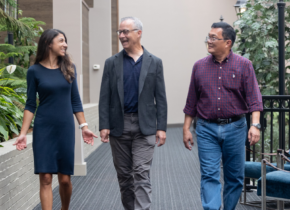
<point x="64" y="62"/>
<point x="228" y="31"/>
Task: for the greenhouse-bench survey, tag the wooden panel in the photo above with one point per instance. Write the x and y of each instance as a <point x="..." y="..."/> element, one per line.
<point x="90" y="3"/>
<point x="86" y="61"/>
<point x="39" y="10"/>
<point x="115" y="25"/>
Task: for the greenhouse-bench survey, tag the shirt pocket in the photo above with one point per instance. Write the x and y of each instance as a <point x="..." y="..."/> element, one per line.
<point x="232" y="80"/>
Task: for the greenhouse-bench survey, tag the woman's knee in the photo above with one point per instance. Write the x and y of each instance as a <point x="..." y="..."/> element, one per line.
<point x="64" y="181"/>
<point x="45" y="179"/>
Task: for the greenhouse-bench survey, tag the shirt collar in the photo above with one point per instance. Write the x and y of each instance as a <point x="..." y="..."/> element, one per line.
<point x="139" y="59"/>
<point x="125" y="53"/>
<point x="226" y="59"/>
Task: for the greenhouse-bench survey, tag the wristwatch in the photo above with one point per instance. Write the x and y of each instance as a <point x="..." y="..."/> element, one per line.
<point x="257" y="125"/>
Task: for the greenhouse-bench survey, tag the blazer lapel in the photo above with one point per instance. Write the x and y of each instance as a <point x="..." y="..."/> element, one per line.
<point x="118" y="63"/>
<point x="144" y="69"/>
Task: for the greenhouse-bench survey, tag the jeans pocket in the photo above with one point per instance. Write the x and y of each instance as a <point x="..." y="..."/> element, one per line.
<point x="240" y="123"/>
<point x="200" y="122"/>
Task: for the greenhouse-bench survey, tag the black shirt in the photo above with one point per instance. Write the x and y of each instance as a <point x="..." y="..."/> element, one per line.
<point x="131" y="82"/>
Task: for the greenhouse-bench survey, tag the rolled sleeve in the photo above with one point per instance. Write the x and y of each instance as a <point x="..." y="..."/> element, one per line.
<point x="31" y="91"/>
<point x="253" y="94"/>
<point x="75" y="96"/>
<point x="191" y="101"/>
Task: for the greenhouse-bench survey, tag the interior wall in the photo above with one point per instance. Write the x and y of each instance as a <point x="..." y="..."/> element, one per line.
<point x="100" y="43"/>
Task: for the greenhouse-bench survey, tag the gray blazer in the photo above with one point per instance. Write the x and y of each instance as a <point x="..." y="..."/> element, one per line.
<point x="152" y="104"/>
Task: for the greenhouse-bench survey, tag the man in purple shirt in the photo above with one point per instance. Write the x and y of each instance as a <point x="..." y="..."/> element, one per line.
<point x="222" y="90"/>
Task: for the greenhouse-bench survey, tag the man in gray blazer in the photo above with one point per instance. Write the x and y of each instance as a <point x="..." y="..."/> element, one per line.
<point x="133" y="113"/>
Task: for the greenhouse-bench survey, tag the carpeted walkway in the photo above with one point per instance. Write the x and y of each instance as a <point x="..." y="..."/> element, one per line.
<point x="175" y="180"/>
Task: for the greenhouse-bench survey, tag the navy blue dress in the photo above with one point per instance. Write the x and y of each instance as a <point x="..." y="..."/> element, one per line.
<point x="54" y="128"/>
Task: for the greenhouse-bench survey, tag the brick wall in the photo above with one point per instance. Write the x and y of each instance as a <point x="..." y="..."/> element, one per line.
<point x="19" y="186"/>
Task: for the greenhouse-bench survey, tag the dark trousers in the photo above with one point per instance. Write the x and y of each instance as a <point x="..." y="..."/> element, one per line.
<point x="132" y="156"/>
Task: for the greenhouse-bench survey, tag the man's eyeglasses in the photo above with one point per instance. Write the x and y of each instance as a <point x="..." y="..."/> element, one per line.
<point x="213" y="39"/>
<point x="125" y="32"/>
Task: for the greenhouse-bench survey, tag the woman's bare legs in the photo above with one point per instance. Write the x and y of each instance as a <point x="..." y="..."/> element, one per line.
<point x="46" y="197"/>
<point x="65" y="190"/>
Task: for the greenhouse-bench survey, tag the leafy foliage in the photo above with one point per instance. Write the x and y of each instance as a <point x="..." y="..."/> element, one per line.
<point x="11" y="106"/>
<point x="13" y="86"/>
<point x="257" y="35"/>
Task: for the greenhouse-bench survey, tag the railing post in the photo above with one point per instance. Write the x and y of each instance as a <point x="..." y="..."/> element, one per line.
<point x="281" y="25"/>
<point x="280" y="164"/>
<point x="263" y="185"/>
<point x="248" y="153"/>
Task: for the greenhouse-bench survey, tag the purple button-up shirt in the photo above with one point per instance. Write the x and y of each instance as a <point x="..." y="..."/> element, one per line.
<point x="223" y="90"/>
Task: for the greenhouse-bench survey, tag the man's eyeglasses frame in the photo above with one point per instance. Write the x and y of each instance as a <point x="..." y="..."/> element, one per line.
<point x="213" y="39"/>
<point x="125" y="32"/>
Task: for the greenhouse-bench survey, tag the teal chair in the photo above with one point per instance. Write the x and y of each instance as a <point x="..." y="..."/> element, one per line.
<point x="253" y="171"/>
<point x="275" y="184"/>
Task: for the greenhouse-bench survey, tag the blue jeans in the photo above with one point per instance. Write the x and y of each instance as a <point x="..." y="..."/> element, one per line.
<point x="216" y="142"/>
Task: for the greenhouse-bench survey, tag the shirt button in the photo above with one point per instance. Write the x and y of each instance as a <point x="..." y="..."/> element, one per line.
<point x="219" y="109"/>
<point x="219" y="98"/>
<point x="227" y="60"/>
<point x="220" y="67"/>
<point x="219" y="88"/>
<point x="219" y="77"/>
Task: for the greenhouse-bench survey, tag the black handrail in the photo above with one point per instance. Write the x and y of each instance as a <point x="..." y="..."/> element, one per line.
<point x="272" y="104"/>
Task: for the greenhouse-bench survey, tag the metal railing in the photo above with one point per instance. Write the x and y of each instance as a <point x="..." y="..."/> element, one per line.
<point x="275" y="132"/>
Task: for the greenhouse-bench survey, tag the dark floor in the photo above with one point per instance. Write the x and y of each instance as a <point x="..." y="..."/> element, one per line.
<point x="175" y="180"/>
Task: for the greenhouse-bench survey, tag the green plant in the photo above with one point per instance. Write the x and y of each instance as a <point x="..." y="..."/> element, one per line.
<point x="13" y="86"/>
<point x="11" y="105"/>
<point x="25" y="45"/>
<point x="257" y="34"/>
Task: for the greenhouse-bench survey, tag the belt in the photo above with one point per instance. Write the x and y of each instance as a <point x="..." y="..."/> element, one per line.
<point x="132" y="114"/>
<point x="220" y="121"/>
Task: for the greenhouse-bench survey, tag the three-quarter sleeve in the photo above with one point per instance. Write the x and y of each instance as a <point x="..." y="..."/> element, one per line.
<point x="75" y="96"/>
<point x="191" y="101"/>
<point x="31" y="91"/>
<point x="253" y="94"/>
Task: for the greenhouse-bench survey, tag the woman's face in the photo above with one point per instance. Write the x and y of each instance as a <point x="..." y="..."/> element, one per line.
<point x="58" y="45"/>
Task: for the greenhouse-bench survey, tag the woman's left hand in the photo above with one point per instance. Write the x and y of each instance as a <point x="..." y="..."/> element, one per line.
<point x="88" y="136"/>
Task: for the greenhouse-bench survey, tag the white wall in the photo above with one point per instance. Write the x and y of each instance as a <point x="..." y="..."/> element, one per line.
<point x="175" y="31"/>
<point x="69" y="20"/>
<point x="100" y="43"/>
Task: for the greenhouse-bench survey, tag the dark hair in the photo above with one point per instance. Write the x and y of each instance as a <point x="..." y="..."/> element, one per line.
<point x="64" y="62"/>
<point x="228" y="31"/>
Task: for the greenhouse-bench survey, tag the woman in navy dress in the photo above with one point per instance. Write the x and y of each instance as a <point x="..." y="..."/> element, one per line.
<point x="53" y="77"/>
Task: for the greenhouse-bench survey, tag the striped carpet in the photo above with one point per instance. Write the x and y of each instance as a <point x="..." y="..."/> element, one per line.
<point x="175" y="180"/>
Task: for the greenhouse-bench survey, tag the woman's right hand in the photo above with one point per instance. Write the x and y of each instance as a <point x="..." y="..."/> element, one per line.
<point x="21" y="142"/>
